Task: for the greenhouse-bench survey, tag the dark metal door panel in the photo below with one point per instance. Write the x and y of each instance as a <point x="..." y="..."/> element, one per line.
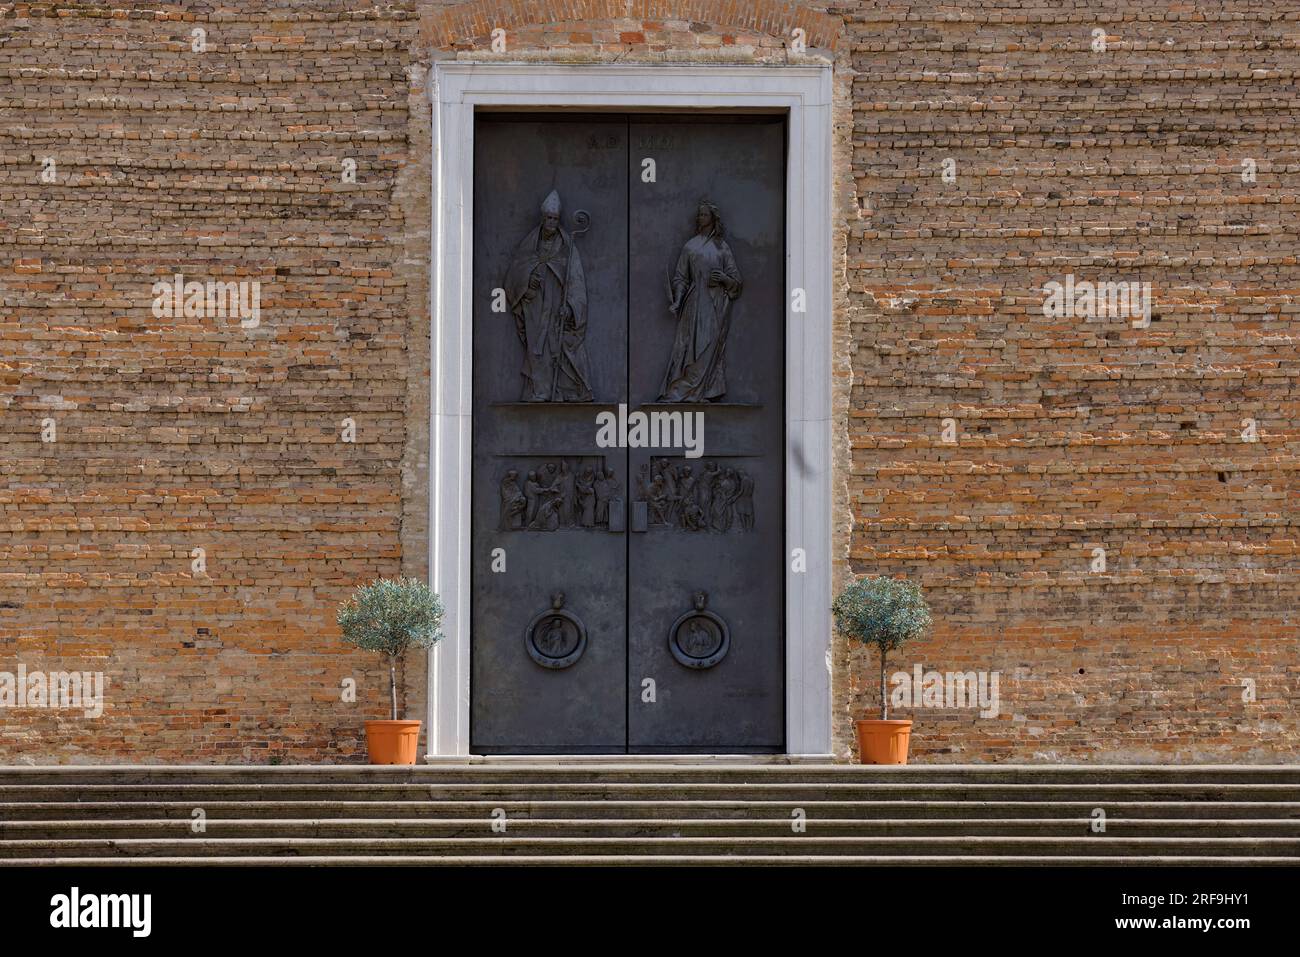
<point x="706" y="599"/>
<point x="548" y="673"/>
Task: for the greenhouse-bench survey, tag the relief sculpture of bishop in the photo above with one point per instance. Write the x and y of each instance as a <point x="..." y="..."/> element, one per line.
<point x="546" y="291"/>
<point x="703" y="287"/>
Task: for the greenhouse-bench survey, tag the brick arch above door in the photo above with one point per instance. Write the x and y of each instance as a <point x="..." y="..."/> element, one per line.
<point x="626" y="23"/>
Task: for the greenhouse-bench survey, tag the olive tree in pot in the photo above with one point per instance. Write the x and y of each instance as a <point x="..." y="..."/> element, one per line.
<point x="885" y="612"/>
<point x="391" y="616"/>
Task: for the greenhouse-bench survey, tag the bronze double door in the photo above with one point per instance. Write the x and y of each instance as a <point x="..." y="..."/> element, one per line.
<point x="628" y="434"/>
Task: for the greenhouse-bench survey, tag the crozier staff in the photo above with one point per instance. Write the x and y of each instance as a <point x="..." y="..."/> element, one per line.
<point x="546" y="290"/>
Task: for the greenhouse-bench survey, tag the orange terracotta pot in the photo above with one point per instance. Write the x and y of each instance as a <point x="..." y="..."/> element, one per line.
<point x="883" y="742"/>
<point x="392" y="742"/>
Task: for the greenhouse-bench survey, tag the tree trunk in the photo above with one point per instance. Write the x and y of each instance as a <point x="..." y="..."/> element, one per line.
<point x="884" y="698"/>
<point x="392" y="682"/>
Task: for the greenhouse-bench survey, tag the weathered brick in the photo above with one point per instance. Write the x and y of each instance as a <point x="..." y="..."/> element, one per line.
<point x="177" y="433"/>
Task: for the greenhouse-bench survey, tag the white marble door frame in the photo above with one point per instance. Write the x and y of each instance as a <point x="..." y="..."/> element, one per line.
<point x="804" y="94"/>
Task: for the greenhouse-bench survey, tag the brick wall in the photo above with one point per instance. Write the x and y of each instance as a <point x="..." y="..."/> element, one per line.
<point x="1074" y="435"/>
<point x="183" y="433"/>
<point x="180" y="433"/>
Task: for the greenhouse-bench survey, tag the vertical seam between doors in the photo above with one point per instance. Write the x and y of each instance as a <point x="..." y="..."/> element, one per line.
<point x="627" y="451"/>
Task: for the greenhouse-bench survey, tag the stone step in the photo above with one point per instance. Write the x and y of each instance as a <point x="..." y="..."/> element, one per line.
<point x="480" y="827"/>
<point x="614" y="809"/>
<point x="650" y="772"/>
<point x="502" y="845"/>
<point x="1099" y="792"/>
<point x="666" y="812"/>
<point x="659" y="860"/>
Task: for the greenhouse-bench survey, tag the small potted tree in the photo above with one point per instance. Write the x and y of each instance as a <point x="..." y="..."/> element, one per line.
<point x="391" y="616"/>
<point x="885" y="612"/>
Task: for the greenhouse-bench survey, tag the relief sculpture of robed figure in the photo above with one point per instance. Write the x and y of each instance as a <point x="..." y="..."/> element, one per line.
<point x="546" y="291"/>
<point x="703" y="286"/>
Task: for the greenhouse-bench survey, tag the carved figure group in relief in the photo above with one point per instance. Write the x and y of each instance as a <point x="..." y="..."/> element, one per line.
<point x="546" y="291"/>
<point x="561" y="494"/>
<point x="718" y="499"/>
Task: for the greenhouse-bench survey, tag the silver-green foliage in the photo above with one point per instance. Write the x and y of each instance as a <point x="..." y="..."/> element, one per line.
<point x="884" y="612"/>
<point x="391" y="615"/>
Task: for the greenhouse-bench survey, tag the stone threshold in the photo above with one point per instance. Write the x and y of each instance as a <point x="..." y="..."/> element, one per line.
<point x="551" y="760"/>
<point x="648" y="761"/>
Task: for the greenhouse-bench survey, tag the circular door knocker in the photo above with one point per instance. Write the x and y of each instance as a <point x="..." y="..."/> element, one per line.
<point x="556" y="638"/>
<point x="699" y="638"/>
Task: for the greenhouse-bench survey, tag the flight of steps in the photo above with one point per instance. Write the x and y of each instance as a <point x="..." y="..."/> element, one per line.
<point x="673" y="811"/>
